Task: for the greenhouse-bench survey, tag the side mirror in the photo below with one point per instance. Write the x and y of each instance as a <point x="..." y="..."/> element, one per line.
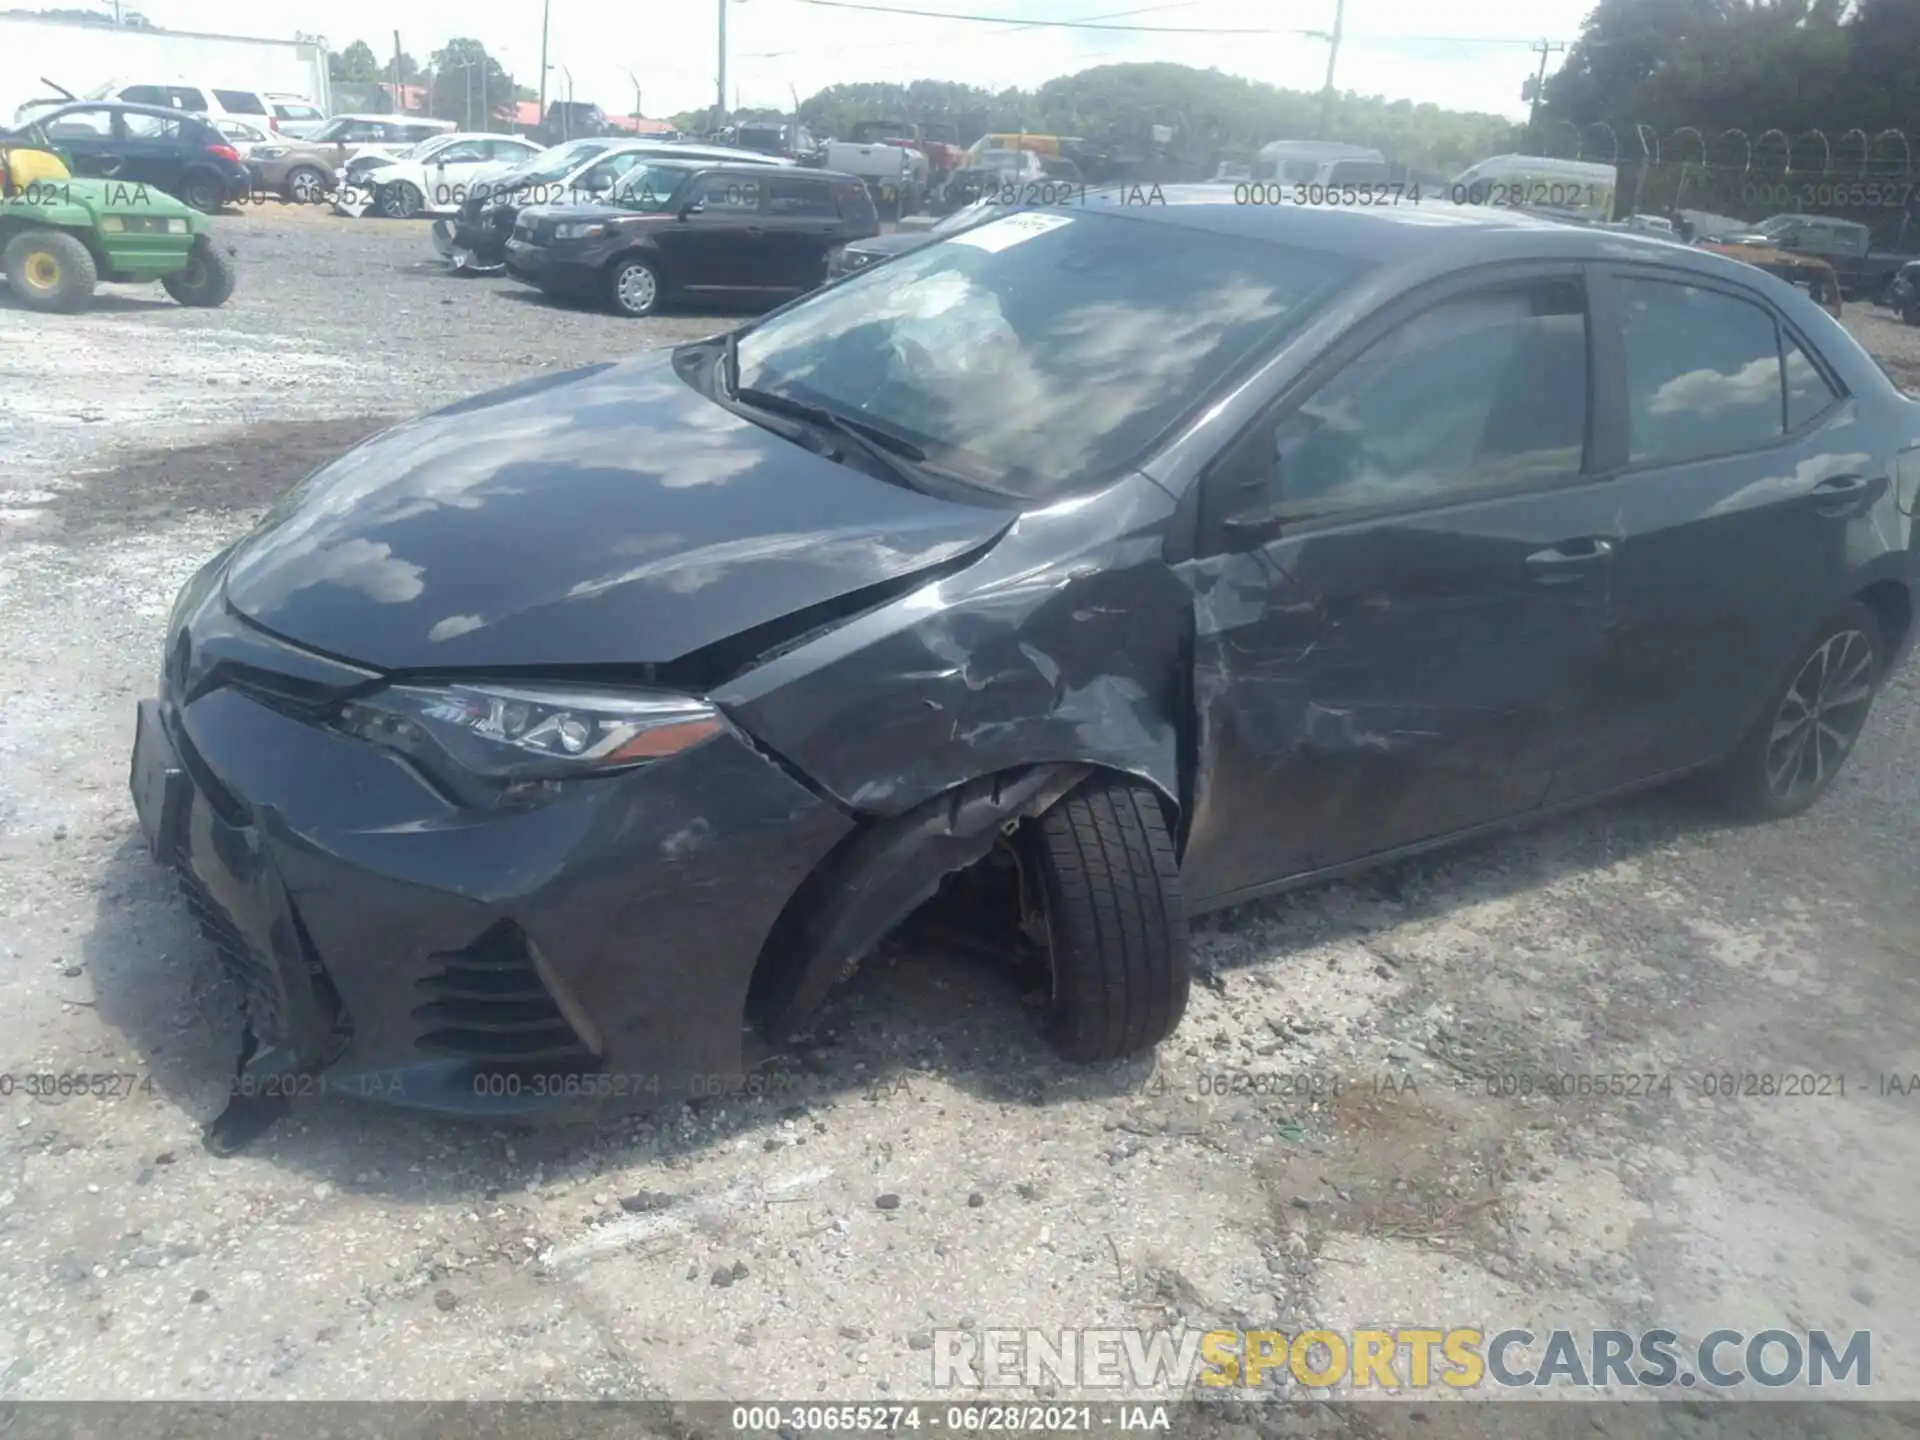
<point x="693" y="207"/>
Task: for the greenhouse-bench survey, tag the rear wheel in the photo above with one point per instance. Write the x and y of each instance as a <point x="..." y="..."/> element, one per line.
<point x="401" y="201"/>
<point x="1114" y="919"/>
<point x="208" y="279"/>
<point x="204" y="191"/>
<point x="633" y="287"/>
<point x="1810" y="723"/>
<point x="50" y="270"/>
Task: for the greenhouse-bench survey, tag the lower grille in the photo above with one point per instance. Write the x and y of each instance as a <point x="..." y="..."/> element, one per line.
<point x="492" y="1005"/>
<point x="253" y="975"/>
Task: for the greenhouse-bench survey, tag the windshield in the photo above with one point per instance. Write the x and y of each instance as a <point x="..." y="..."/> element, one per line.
<point x="333" y="129"/>
<point x="961" y="219"/>
<point x="1041" y="351"/>
<point x="560" y="162"/>
<point x="646" y="188"/>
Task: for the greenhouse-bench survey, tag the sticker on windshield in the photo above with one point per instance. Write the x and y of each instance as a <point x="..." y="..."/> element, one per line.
<point x="997" y="235"/>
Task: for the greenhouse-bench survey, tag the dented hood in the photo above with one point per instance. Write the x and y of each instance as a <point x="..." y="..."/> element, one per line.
<point x="605" y="516"/>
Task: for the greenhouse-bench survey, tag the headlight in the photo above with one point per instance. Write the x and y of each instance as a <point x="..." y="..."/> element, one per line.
<point x="509" y="732"/>
<point x="176" y="225"/>
<point x="112" y="224"/>
<point x="578" y="230"/>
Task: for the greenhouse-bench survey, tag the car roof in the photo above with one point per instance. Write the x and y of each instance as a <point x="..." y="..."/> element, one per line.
<point x="126" y="106"/>
<point x="1395" y="235"/>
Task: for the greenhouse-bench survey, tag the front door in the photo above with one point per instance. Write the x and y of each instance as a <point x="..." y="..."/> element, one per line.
<point x="1392" y="608"/>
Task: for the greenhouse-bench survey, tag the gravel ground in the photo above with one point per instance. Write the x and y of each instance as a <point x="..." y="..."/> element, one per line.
<point x="922" y="1163"/>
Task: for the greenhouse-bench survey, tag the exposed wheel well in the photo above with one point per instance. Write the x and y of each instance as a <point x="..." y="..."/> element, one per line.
<point x="885" y="870"/>
<point x="1892" y="606"/>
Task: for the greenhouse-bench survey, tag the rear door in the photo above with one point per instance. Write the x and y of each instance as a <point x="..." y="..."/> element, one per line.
<point x="1397" y="595"/>
<point x="721" y="246"/>
<point x="155" y="149"/>
<point x="1739" y="465"/>
<point x="803" y="223"/>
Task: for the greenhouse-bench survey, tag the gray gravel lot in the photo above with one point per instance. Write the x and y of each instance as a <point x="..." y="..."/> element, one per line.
<point x="743" y="1248"/>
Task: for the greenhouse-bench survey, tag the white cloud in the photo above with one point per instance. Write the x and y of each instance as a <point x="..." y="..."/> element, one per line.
<point x="777" y="44"/>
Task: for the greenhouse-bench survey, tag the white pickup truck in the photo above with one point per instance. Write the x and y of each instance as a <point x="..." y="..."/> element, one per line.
<point x="895" y="174"/>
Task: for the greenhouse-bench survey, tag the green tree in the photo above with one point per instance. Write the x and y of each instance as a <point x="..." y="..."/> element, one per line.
<point x="355" y="64"/>
<point x="469" y="86"/>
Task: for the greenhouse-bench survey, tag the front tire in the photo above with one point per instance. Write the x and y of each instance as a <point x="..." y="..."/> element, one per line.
<point x="207" y="281"/>
<point x="305" y="186"/>
<point x="1119" y="956"/>
<point x="1810" y="723"/>
<point x="633" y="288"/>
<point x="401" y="200"/>
<point x="51" y="271"/>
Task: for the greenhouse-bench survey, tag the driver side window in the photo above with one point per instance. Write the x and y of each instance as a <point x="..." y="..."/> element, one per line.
<point x="1483" y="392"/>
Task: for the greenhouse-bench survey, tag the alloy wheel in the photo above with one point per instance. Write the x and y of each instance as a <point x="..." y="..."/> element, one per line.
<point x="305" y="186"/>
<point x="1820" y="716"/>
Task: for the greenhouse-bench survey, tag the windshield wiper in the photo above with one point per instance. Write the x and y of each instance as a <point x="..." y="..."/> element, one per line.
<point x="896" y="453"/>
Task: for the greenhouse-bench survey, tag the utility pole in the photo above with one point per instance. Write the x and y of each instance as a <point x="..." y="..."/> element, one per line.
<point x="720" y="99"/>
<point x="636" y="100"/>
<point x="546" y="7"/>
<point x="399" y="97"/>
<point x="1542" y="48"/>
<point x="1333" y="54"/>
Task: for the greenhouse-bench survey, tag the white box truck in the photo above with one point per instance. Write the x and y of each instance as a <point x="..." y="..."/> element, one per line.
<point x="81" y="57"/>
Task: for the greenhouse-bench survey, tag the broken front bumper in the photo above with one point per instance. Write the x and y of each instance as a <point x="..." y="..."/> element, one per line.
<point x="392" y="944"/>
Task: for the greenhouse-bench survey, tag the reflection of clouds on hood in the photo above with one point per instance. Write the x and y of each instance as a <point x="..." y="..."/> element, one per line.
<point x="364" y="565"/>
<point x="689" y="570"/>
<point x="460" y="461"/>
<point x="454" y="626"/>
<point x="1709" y="391"/>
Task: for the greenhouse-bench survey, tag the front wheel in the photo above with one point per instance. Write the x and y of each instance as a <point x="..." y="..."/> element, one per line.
<point x="634" y="288"/>
<point x="305" y="185"/>
<point x="1114" y="919"/>
<point x="50" y="270"/>
<point x="208" y="279"/>
<point x="401" y="201"/>
<point x="1810" y="723"/>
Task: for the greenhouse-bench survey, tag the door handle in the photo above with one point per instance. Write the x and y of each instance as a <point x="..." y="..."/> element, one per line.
<point x="1569" y="560"/>
<point x="1838" y="494"/>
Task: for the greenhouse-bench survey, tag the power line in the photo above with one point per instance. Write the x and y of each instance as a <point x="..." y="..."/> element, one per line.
<point x="1014" y="27"/>
<point x="1046" y="24"/>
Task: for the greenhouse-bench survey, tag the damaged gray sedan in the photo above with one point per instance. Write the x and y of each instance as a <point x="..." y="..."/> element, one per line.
<point x="1130" y="560"/>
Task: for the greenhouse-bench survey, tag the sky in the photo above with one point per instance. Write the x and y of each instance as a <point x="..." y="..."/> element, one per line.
<point x="1469" y="55"/>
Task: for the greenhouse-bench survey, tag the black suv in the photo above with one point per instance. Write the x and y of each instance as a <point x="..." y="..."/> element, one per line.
<point x="686" y="228"/>
<point x="179" y="155"/>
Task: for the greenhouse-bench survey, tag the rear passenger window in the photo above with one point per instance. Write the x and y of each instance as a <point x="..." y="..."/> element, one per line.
<point x="1703" y="373"/>
<point x="1808" y="393"/>
<point x="794" y="196"/>
<point x="1482" y="392"/>
<point x="239" y="102"/>
<point x="151" y="127"/>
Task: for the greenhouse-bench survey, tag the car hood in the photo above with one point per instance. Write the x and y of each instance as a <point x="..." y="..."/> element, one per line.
<point x="605" y="516"/>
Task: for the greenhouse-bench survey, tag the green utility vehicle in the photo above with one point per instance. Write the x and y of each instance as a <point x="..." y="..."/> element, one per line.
<point x="59" y="238"/>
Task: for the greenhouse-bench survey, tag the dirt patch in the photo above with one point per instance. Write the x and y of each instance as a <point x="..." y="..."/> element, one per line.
<point x="245" y="470"/>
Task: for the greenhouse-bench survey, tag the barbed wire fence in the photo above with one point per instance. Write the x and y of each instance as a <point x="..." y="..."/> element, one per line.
<point x="1853" y="176"/>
